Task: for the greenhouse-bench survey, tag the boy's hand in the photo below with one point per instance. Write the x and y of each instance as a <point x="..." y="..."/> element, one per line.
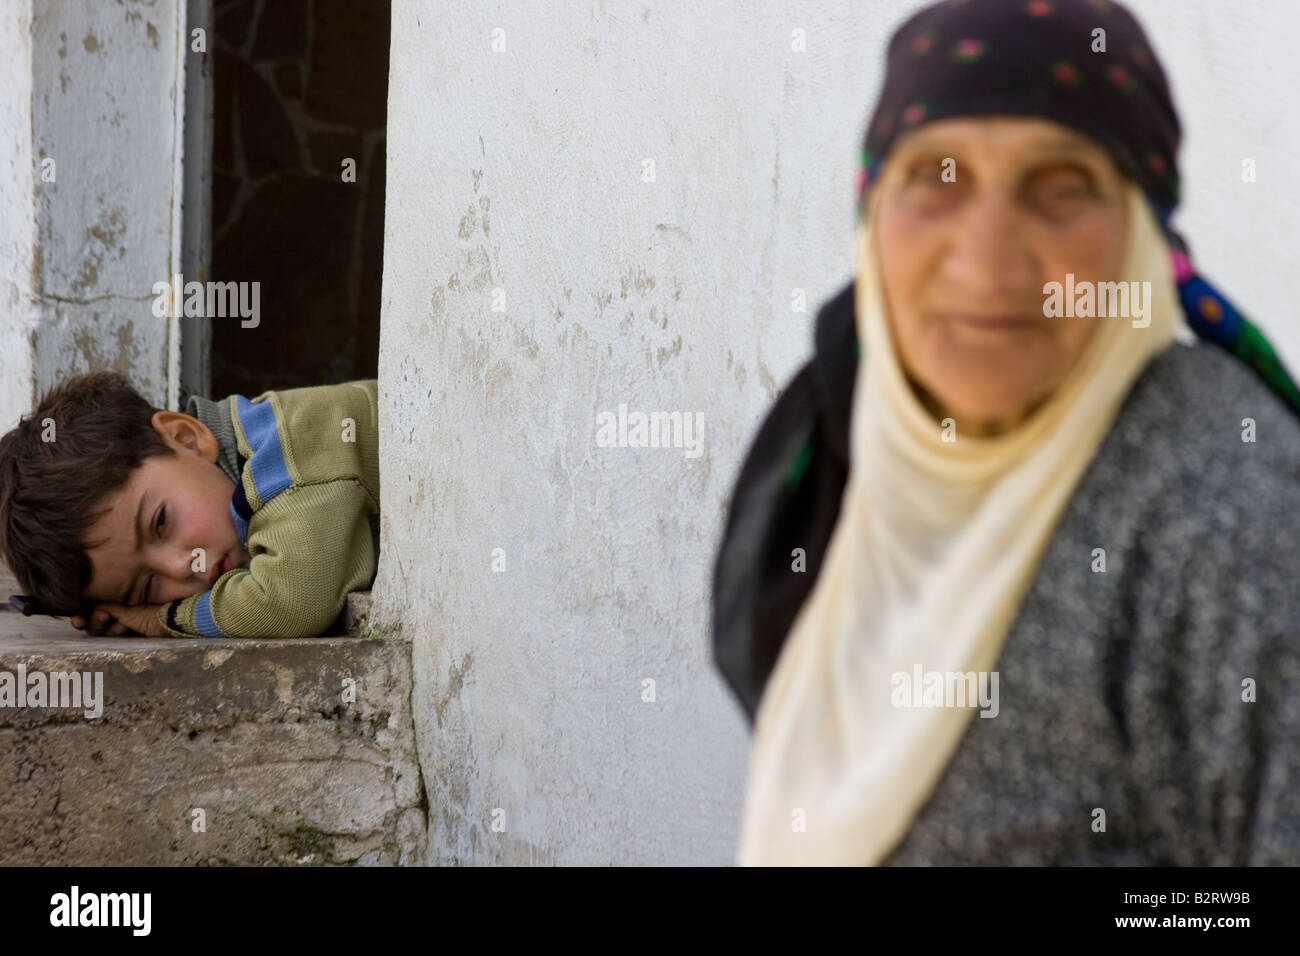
<point x="115" y="619"/>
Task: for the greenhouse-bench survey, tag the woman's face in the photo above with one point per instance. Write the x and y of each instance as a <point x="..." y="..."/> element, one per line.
<point x="964" y="262"/>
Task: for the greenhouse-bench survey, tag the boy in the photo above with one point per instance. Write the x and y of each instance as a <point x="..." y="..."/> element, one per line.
<point x="237" y="518"/>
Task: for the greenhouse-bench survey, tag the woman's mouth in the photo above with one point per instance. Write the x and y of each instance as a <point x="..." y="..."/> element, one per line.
<point x="1009" y="322"/>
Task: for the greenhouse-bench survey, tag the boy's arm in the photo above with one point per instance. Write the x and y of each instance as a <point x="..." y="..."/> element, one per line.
<point x="310" y="546"/>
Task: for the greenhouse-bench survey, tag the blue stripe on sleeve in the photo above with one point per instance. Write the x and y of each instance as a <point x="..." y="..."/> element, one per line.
<point x="270" y="474"/>
<point x="203" y="622"/>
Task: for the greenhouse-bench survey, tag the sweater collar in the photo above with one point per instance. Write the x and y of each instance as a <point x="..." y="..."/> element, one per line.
<point x="216" y="415"/>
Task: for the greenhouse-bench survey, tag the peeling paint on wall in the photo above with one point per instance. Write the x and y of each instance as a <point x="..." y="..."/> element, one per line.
<point x="93" y="92"/>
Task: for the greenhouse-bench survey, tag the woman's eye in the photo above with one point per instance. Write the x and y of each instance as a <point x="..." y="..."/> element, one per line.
<point x="1063" y="184"/>
<point x="147" y="585"/>
<point x="927" y="190"/>
<point x="928" y="173"/>
<point x="161" y="519"/>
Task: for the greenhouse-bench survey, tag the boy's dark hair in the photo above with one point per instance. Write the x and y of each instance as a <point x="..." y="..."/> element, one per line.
<point x="51" y="492"/>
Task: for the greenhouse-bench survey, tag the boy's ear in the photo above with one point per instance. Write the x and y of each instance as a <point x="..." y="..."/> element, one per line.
<point x="187" y="431"/>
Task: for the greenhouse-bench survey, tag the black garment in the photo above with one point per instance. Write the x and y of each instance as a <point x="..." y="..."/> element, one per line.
<point x="787" y="497"/>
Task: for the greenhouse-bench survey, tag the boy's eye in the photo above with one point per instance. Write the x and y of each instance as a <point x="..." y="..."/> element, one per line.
<point x="161" y="520"/>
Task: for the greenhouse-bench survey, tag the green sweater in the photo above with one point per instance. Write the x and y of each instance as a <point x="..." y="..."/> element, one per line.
<point x="305" y="463"/>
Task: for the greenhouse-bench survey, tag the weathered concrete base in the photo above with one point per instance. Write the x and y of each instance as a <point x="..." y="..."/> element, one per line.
<point x="255" y="734"/>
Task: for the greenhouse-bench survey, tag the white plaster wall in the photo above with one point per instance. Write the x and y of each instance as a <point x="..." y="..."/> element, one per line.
<point x="520" y="171"/>
<point x="18" y="308"/>
<point x="1235" y="76"/>
<point x="92" y="86"/>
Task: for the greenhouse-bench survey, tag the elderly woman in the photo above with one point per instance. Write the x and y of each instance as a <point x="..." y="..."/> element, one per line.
<point x="1002" y="488"/>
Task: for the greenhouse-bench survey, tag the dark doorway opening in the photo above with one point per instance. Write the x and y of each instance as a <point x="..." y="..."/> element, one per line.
<point x="300" y="88"/>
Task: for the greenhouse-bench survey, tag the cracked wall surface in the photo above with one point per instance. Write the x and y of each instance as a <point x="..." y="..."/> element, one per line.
<point x="19" y="313"/>
<point x="87" y="120"/>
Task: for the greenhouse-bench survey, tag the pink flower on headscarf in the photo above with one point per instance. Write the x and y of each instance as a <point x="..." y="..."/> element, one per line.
<point x="968" y="51"/>
<point x="1120" y="77"/>
<point x="1066" y="73"/>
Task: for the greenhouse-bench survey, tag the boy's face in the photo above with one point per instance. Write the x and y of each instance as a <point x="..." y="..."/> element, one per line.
<point x="177" y="504"/>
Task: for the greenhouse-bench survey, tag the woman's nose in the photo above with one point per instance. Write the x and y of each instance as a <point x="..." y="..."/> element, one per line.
<point x="989" y="254"/>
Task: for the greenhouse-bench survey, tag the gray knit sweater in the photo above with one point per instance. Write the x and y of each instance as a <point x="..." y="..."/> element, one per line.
<point x="1122" y="691"/>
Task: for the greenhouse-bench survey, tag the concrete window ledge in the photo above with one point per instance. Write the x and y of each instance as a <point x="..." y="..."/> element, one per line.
<point x="261" y="736"/>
